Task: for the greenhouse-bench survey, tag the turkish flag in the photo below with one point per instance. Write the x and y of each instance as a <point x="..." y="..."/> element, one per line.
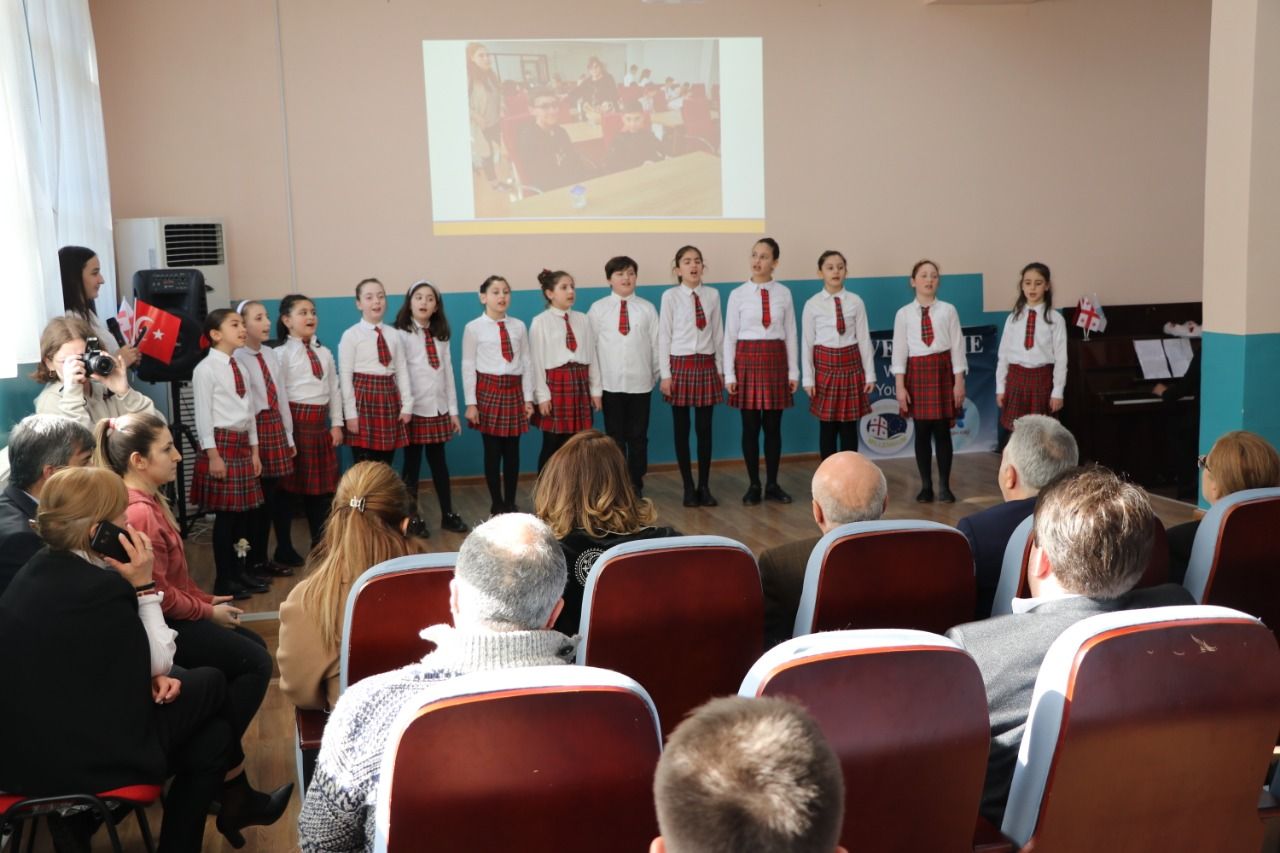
<point x="157" y="331"/>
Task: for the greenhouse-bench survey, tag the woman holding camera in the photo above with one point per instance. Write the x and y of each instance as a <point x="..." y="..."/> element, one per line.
<point x="84" y="383"/>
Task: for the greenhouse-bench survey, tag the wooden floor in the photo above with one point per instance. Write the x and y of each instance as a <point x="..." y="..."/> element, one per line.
<point x="269" y="740"/>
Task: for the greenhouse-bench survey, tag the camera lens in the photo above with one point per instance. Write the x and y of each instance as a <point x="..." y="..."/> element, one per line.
<point x="102" y="365"/>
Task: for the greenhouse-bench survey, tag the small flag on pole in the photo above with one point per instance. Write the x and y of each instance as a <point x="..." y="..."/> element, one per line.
<point x="125" y="318"/>
<point x="1089" y="315"/>
<point x="156" y="332"/>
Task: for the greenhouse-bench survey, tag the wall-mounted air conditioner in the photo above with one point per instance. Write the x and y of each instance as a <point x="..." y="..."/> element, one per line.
<point x="174" y="242"/>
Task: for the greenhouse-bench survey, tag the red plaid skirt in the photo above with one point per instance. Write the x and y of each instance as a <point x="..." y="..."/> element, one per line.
<point x="1026" y="392"/>
<point x="694" y="381"/>
<point x="500" y="400"/>
<point x="273" y="445"/>
<point x="838" y="393"/>
<point x="570" y="400"/>
<point x="931" y="385"/>
<point x="761" y="368"/>
<point x="240" y="490"/>
<point x="378" y="405"/>
<point x="315" y="468"/>
<point x="434" y="430"/>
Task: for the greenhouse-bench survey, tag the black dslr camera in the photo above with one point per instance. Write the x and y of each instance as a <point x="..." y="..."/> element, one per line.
<point x="96" y="360"/>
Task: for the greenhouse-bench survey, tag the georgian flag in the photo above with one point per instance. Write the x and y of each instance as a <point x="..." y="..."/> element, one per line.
<point x="125" y="318"/>
<point x="1089" y="315"/>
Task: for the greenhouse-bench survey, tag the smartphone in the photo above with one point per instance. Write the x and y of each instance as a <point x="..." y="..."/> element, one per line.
<point x="107" y="542"/>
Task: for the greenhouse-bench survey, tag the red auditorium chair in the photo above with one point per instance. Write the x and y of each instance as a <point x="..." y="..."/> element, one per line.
<point x="16" y="810"/>
<point x="906" y="712"/>
<point x="888" y="574"/>
<point x="699" y="126"/>
<point x="1150" y="730"/>
<point x="684" y="616"/>
<point x="551" y="758"/>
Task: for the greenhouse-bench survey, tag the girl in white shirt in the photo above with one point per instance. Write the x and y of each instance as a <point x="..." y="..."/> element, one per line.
<point x="1031" y="370"/>
<point x="310" y="379"/>
<point x="376" y="398"/>
<point x="929" y="367"/>
<point x="425" y="329"/>
<point x="836" y="355"/>
<point x="690" y="354"/>
<point x="498" y="389"/>
<point x="226" y="476"/>
<point x="566" y="377"/>
<point x="760" y="366"/>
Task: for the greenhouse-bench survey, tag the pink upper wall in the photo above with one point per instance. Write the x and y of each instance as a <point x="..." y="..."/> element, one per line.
<point x="986" y="136"/>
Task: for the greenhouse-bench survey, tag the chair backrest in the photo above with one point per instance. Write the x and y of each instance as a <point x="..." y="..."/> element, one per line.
<point x="897" y="706"/>
<point x="1149" y="730"/>
<point x="887" y="574"/>
<point x="1017" y="555"/>
<point x="510" y="132"/>
<point x="550" y="758"/>
<point x="684" y="616"/>
<point x="1234" y="560"/>
<point x="387" y="606"/>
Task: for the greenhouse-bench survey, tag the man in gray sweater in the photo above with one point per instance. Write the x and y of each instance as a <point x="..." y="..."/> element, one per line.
<point x="505" y="595"/>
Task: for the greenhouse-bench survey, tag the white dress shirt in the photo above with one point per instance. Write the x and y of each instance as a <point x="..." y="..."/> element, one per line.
<point x="743" y="320"/>
<point x="628" y="363"/>
<point x="907" y="342"/>
<point x="1050" y="347"/>
<point x="818" y="325"/>
<point x="217" y="405"/>
<point x="547" y="350"/>
<point x="358" y="353"/>
<point x="482" y="353"/>
<point x="678" y="332"/>
<point x="301" y="383"/>
<point x="252" y="370"/>
<point x="161" y="639"/>
<point x="433" y="390"/>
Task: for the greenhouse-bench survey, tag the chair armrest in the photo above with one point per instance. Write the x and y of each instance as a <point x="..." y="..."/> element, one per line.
<point x="988" y="839"/>
<point x="310" y="727"/>
<point x="1268" y="806"/>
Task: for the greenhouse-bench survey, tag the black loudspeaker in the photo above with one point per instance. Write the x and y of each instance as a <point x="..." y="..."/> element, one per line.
<point x="181" y="292"/>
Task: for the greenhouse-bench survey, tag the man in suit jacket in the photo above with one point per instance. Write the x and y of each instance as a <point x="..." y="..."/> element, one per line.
<point x="1093" y="539"/>
<point x="38" y="446"/>
<point x="847" y="487"/>
<point x="1039" y="449"/>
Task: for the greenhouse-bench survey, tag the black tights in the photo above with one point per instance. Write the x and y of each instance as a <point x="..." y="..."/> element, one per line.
<point x="830" y="431"/>
<point x="502" y="468"/>
<point x="702" y="427"/>
<point x="276" y="512"/>
<point x="439" y="472"/>
<point x="228" y="528"/>
<point x="551" y="442"/>
<point x="364" y="454"/>
<point x="939" y="434"/>
<point x="771" y="420"/>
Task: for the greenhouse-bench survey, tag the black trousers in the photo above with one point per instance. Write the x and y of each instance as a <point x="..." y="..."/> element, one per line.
<point x="626" y="421"/>
<point x="846" y="432"/>
<point x="276" y="512"/>
<point x="229" y="528"/>
<point x="316" y="509"/>
<point x="196" y="739"/>
<point x="502" y="468"/>
<point x="702" y="428"/>
<point x="932" y="435"/>
<point x="752" y="421"/>
<point x="439" y="472"/>
<point x="551" y="442"/>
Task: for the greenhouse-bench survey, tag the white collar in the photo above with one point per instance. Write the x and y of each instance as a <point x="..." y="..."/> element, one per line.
<point x="1025" y="605"/>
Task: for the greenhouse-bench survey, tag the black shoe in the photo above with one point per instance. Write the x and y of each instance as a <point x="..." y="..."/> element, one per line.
<point x="512" y="507"/>
<point x="289" y="559"/>
<point x="752" y="497"/>
<point x="251" y="583"/>
<point x="945" y="496"/>
<point x="705" y="498"/>
<point x="452" y="521"/>
<point x="774" y="492"/>
<point x="925" y="496"/>
<point x="242" y="806"/>
<point x="497" y="509"/>
<point x="266" y="571"/>
<point x="691" y="496"/>
<point x="231" y="588"/>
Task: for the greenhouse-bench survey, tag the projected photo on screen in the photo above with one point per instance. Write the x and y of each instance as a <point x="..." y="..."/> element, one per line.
<point x="608" y="135"/>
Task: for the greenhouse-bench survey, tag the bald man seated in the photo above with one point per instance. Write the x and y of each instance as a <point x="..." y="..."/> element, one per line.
<point x="847" y="487"/>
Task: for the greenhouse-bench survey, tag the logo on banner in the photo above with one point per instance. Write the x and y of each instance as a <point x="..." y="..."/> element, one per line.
<point x="884" y="431"/>
<point x="968" y="425"/>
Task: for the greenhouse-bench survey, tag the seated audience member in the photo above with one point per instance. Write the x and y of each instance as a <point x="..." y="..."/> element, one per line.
<point x="71" y="389"/>
<point x="38" y="446"/>
<point x="83" y="707"/>
<point x="1039" y="449"/>
<point x="370" y="523"/>
<point x="635" y="144"/>
<point x="585" y="495"/>
<point x="847" y="487"/>
<point x="1093" y="540"/>
<point x="546" y="155"/>
<point x="140" y="449"/>
<point x="748" y="776"/>
<point x="505" y="597"/>
<point x="1238" y="460"/>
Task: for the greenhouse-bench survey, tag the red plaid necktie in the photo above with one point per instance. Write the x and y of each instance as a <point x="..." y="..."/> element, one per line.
<point x="235" y="371"/>
<point x="839" y="317"/>
<point x="699" y="318"/>
<point x="273" y="399"/>
<point x="569" y="340"/>
<point x="765" y="319"/>
<point x="384" y="352"/>
<point x="926" y="326"/>
<point x="316" y="370"/>
<point x="624" y="320"/>
<point x="432" y="356"/>
<point x="1030" y="340"/>
<point x="507" y="352"/>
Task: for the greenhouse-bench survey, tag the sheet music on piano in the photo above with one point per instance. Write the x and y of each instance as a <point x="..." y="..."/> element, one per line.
<point x="1180" y="354"/>
<point x="1151" y="357"/>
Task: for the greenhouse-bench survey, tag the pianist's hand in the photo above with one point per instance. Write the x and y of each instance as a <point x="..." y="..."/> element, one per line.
<point x="1159" y="388"/>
